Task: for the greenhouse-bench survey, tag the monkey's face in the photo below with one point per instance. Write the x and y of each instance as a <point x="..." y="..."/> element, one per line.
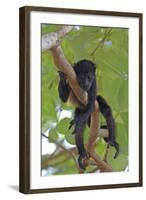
<point x="85" y="80"/>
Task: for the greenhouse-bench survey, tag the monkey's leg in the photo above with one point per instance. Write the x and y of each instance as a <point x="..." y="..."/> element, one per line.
<point x="107" y="113"/>
<point x="79" y="138"/>
<point x="81" y="149"/>
<point x="74" y="121"/>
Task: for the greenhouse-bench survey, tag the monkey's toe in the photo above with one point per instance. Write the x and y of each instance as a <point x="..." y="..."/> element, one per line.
<point x="83" y="162"/>
<point x="116" y="146"/>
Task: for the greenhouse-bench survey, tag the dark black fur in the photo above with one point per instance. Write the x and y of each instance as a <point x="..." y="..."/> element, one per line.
<point x="85" y="71"/>
<point x="107" y="113"/>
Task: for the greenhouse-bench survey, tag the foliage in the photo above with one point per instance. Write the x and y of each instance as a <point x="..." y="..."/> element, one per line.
<point x="108" y="48"/>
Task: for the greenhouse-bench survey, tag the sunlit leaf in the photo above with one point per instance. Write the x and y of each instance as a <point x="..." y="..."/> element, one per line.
<point x="123" y="96"/>
<point x="53" y="134"/>
<point x="63" y="126"/>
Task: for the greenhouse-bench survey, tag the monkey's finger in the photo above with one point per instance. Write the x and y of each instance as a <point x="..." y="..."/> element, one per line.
<point x="73" y="132"/>
<point x="72" y="122"/>
<point x="116" y="145"/>
<point x="61" y="73"/>
<point x="76" y="130"/>
<point x="69" y="126"/>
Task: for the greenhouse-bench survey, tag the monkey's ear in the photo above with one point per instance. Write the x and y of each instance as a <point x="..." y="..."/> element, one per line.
<point x="94" y="67"/>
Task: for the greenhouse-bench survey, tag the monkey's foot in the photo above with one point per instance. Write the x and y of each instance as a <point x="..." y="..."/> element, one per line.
<point x="116" y="146"/>
<point x="83" y="161"/>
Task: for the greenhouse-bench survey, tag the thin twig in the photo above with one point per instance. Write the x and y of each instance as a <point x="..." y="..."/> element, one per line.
<point x="101" y="41"/>
<point x="106" y="153"/>
<point x="66" y="150"/>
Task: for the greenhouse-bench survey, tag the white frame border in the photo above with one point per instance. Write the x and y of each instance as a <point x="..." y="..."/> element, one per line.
<point x="38" y="182"/>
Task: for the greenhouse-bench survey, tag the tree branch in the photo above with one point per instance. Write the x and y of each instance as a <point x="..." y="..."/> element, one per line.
<point x="103" y="166"/>
<point x="63" y="65"/>
<point x="51" y="41"/>
<point x="94" y="127"/>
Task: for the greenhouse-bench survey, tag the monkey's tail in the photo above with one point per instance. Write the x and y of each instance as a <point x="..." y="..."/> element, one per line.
<point x="107" y="113"/>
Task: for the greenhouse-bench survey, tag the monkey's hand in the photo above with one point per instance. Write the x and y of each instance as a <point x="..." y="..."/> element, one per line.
<point x="72" y="122"/>
<point x="62" y="75"/>
<point x="78" y="124"/>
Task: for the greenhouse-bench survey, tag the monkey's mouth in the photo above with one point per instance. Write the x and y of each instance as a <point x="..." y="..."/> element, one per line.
<point x="86" y="87"/>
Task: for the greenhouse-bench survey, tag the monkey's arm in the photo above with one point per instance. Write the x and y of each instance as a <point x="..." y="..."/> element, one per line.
<point x="80" y="120"/>
<point x="63" y="87"/>
<point x="80" y="144"/>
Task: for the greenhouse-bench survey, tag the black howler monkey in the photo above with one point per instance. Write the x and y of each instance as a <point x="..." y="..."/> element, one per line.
<point x="85" y="72"/>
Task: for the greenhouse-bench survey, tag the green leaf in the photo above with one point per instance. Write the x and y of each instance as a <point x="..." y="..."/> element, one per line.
<point x="63" y="128"/>
<point x="86" y="134"/>
<point x="63" y="125"/>
<point x="101" y="147"/>
<point x="118" y="164"/>
<point x="48" y="110"/>
<point x="123" y="96"/>
<point x="47" y="28"/>
<point x="122" y="137"/>
<point x="53" y="134"/>
<point x="70" y="138"/>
